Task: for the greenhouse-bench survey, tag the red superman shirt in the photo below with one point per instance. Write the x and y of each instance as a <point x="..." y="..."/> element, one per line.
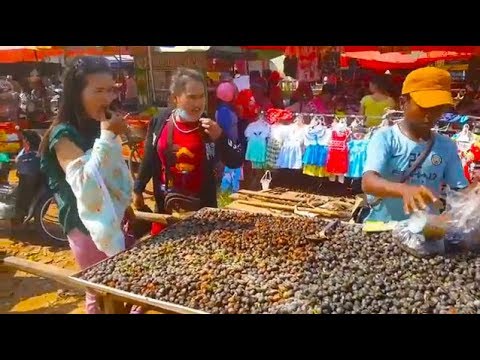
<point x="187" y="173"/>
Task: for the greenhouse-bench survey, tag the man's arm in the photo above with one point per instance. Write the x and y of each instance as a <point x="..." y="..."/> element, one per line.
<point x="378" y="154"/>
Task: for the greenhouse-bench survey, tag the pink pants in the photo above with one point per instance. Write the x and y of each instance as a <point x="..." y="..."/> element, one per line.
<point x="86" y="254"/>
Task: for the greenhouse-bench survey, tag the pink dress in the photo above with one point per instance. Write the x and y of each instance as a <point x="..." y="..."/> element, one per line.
<point x="337" y="158"/>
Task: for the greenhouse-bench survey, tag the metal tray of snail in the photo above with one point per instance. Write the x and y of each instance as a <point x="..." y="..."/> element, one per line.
<point x="224" y="261"/>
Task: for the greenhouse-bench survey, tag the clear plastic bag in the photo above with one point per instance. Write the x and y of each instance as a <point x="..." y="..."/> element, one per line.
<point x="457" y="229"/>
<point x="415" y="242"/>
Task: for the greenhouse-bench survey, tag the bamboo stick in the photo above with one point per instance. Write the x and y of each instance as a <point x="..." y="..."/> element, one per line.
<point x="323" y="212"/>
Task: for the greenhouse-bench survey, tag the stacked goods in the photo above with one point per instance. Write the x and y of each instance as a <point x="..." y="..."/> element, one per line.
<point x="234" y="262"/>
<point x="293" y="201"/>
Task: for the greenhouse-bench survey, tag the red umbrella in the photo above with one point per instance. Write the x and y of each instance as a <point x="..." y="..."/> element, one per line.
<point x="390" y="61"/>
<point x="13" y="54"/>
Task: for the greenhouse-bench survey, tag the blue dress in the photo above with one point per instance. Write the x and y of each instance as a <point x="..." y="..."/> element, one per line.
<point x="257" y="134"/>
<point x="357" y="154"/>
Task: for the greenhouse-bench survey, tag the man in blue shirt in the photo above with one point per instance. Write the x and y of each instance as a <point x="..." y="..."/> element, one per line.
<point x="393" y="150"/>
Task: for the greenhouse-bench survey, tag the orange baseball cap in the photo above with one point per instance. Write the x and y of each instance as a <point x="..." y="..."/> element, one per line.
<point x="429" y="87"/>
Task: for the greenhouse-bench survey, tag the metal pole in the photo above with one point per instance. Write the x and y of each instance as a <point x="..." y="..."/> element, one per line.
<point x="150" y="68"/>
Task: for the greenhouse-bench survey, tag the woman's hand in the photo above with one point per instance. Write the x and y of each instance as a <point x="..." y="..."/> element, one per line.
<point x="115" y="124"/>
<point x="138" y="201"/>
<point x="130" y="214"/>
<point x="211" y="128"/>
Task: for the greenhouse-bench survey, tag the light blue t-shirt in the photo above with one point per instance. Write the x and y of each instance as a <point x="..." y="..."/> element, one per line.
<point x="390" y="153"/>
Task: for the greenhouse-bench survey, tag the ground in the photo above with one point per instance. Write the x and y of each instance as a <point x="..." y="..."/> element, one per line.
<point x="22" y="293"/>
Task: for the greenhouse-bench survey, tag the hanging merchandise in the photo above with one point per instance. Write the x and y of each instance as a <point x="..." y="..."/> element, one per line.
<point x="278" y="134"/>
<point x="464" y="139"/>
<point x="231" y="179"/>
<point x="279" y="116"/>
<point x="357" y="155"/>
<point x="317" y="138"/>
<point x="257" y="134"/>
<point x="337" y="159"/>
<point x="291" y="153"/>
<point x="307" y="66"/>
<point x="245" y="104"/>
<point x="265" y="180"/>
<point x="290" y="65"/>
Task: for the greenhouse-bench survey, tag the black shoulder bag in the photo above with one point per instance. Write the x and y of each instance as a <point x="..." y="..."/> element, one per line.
<point x="360" y="214"/>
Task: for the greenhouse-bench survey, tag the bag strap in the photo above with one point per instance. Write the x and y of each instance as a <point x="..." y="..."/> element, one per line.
<point x="419" y="160"/>
<point x="416" y="164"/>
<point x="170" y="155"/>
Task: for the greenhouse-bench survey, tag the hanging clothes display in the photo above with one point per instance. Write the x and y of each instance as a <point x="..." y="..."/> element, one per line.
<point x="357" y="155"/>
<point x="278" y="133"/>
<point x="257" y="134"/>
<point x="291" y="153"/>
<point x="318" y="162"/>
<point x="464" y="139"/>
<point x="337" y="158"/>
<point x="307" y="66"/>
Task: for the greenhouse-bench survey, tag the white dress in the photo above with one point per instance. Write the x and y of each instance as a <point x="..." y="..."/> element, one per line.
<point x="291" y="153"/>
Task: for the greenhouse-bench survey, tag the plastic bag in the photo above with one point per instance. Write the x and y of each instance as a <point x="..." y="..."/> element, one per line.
<point x="457" y="229"/>
<point x="415" y="242"/>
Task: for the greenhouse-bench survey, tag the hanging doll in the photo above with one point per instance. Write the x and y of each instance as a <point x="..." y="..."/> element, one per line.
<point x="337" y="158"/>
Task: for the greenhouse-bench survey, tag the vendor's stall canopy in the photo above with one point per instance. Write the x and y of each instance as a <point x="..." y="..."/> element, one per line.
<point x="14" y="54"/>
<point x="383" y="57"/>
<point x="391" y="61"/>
<point x="226" y="52"/>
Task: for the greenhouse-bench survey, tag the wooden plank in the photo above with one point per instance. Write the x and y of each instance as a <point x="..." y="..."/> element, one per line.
<point x="137" y="299"/>
<point x="165" y="219"/>
<point x="294" y="196"/>
<point x="153" y="217"/>
<point x="43" y="270"/>
<point x="249" y="208"/>
<point x="322" y="212"/>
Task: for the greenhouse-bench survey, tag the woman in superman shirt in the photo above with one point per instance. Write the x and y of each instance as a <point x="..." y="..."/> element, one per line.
<point x="196" y="144"/>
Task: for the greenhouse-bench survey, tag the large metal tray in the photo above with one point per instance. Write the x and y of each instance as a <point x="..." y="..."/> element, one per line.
<point x="162" y="305"/>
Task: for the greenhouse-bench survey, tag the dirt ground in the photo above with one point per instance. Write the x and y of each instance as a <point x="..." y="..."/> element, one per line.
<point x="22" y="293"/>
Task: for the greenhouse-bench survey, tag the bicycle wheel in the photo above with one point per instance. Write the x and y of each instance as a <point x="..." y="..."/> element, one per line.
<point x="134" y="161"/>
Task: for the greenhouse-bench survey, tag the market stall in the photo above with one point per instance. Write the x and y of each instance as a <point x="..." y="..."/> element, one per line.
<point x="233" y="262"/>
<point x="210" y="60"/>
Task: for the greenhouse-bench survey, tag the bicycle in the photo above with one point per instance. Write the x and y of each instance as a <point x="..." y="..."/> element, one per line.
<point x="134" y="138"/>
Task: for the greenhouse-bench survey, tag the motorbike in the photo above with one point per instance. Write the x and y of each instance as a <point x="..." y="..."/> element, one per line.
<point x="55" y="100"/>
<point x="31" y="199"/>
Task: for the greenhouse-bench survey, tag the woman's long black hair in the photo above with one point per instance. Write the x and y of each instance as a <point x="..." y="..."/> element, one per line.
<point x="71" y="110"/>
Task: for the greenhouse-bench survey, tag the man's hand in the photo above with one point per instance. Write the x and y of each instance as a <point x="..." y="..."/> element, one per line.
<point x="211" y="128"/>
<point x="138" y="201"/>
<point x="416" y="198"/>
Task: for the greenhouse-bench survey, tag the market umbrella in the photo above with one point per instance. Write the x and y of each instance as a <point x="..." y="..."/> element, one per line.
<point x="14" y="54"/>
<point x="396" y="60"/>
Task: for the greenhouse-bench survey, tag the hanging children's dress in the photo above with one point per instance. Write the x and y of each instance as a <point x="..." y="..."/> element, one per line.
<point x="278" y="133"/>
<point x="317" y="162"/>
<point x="357" y="155"/>
<point x="337" y="158"/>
<point x="257" y="134"/>
<point x="291" y="154"/>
